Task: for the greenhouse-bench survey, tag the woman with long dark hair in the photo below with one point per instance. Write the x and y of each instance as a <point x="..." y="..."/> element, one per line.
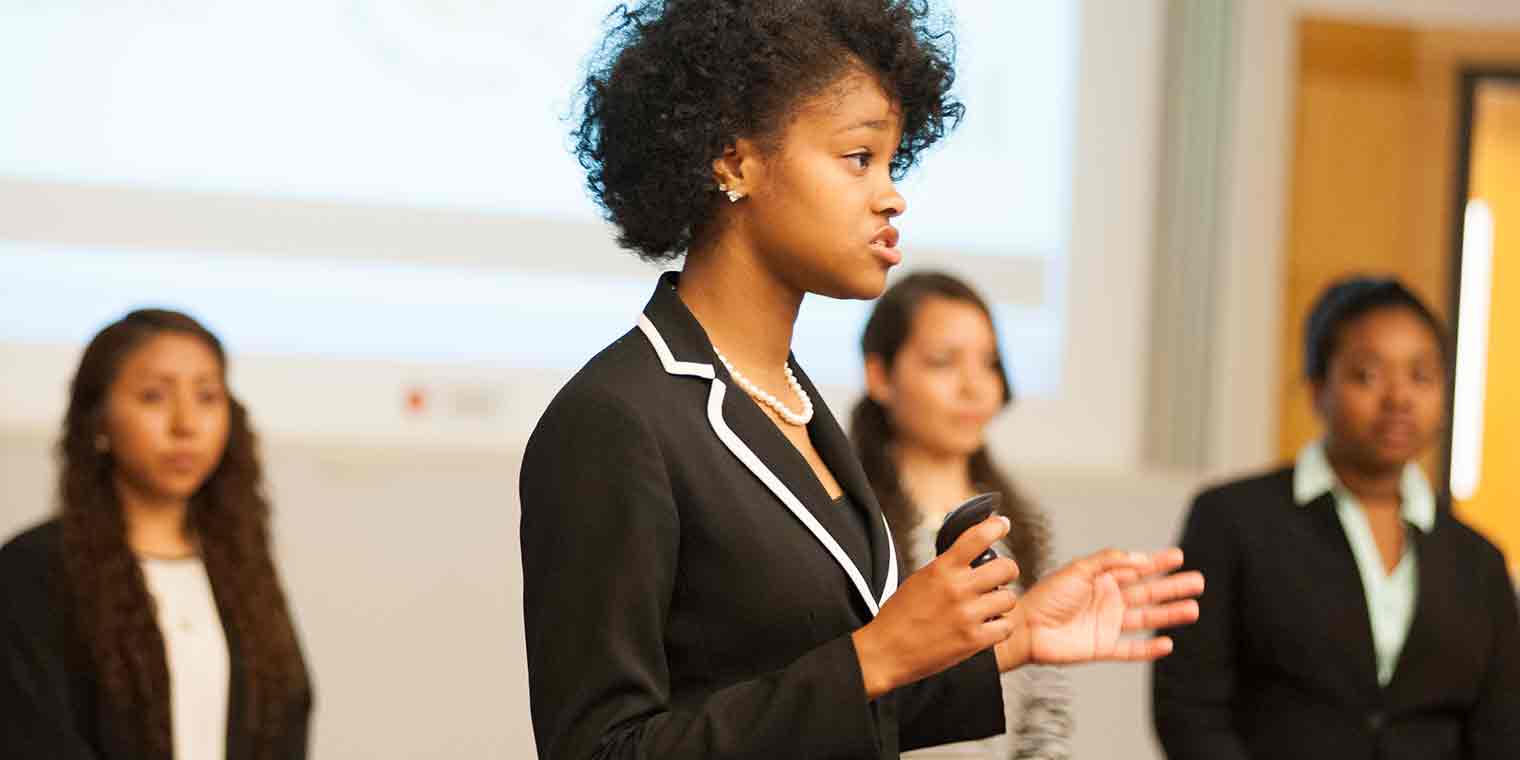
<point x="146" y="620"/>
<point x="706" y="573"/>
<point x="934" y="380"/>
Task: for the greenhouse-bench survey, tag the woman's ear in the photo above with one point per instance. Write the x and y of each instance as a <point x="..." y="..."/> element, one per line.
<point x="725" y="169"/>
<point x="878" y="383"/>
<point x="736" y="170"/>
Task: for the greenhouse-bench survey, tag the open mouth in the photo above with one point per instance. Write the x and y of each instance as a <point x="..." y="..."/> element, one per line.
<point x="885" y="245"/>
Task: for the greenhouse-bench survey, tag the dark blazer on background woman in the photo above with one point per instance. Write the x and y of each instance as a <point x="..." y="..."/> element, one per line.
<point x="49" y="703"/>
<point x="1281" y="663"/>
<point x="689" y="586"/>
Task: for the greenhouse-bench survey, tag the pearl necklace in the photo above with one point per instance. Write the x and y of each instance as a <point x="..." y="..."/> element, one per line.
<point x="787" y="415"/>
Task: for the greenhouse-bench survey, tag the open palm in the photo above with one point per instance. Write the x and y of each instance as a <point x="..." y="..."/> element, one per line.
<point x="1080" y="612"/>
<point x="1073" y="619"/>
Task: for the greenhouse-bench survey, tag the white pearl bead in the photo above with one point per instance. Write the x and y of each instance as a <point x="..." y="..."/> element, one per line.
<point x="770" y="400"/>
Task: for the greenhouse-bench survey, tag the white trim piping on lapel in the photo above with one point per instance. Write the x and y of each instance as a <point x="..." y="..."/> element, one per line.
<point x="746" y="456"/>
<point x="737" y="447"/>
<point x="663" y="351"/>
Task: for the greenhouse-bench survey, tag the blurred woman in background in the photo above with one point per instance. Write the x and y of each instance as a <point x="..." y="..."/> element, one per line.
<point x="1349" y="614"/>
<point x="146" y="620"/>
<point x="934" y="380"/>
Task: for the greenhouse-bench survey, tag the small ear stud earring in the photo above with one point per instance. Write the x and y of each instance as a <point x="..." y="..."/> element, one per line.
<point x="733" y="195"/>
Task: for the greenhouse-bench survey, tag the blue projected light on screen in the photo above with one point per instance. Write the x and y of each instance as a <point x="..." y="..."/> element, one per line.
<point x="456" y="106"/>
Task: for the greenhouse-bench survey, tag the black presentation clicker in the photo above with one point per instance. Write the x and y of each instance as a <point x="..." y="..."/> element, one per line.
<point x="969" y="513"/>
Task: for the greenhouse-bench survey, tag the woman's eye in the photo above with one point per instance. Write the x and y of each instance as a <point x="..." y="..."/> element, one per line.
<point x="209" y="397"/>
<point x="861" y="160"/>
<point x="150" y="396"/>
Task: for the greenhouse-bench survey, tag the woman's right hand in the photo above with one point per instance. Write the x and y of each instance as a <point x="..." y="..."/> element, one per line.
<point x="940" y="615"/>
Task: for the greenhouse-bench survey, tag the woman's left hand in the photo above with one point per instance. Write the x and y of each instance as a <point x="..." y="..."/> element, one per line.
<point x="1079" y="612"/>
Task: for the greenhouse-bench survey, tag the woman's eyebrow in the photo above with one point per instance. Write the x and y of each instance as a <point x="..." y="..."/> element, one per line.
<point x="877" y="124"/>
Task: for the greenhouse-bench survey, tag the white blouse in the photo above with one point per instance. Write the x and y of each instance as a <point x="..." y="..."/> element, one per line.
<point x="196" y="650"/>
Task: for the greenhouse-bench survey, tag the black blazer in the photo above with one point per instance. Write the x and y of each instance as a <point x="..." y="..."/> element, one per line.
<point x="681" y="599"/>
<point x="1281" y="663"/>
<point x="49" y="706"/>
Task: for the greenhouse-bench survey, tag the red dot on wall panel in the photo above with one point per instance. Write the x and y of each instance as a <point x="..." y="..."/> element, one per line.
<point x="416" y="401"/>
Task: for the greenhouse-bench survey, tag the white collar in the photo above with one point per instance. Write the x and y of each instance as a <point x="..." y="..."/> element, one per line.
<point x="1313" y="477"/>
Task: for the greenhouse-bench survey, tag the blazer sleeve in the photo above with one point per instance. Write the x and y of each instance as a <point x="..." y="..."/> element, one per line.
<point x="1493" y="725"/>
<point x="36" y="715"/>
<point x="600" y="539"/>
<point x="1193" y="689"/>
<point x="297" y="739"/>
<point x="962" y="703"/>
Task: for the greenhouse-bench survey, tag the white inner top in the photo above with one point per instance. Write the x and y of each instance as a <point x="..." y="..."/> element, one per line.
<point x="196" y="650"/>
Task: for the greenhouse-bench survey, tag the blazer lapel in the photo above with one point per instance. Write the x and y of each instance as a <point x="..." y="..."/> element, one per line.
<point x="1351" y="627"/>
<point x="1424" y="642"/>
<point x="839" y="455"/>
<point x="684" y="349"/>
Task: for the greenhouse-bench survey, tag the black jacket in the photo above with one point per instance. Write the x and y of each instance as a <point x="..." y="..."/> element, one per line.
<point x="1281" y="663"/>
<point x="682" y="598"/>
<point x="49" y="704"/>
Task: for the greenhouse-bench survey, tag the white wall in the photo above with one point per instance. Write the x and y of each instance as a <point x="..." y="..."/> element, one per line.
<point x="1243" y="431"/>
<point x="1097" y="420"/>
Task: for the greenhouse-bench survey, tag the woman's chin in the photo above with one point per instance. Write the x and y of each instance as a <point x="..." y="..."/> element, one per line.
<point x="866" y="286"/>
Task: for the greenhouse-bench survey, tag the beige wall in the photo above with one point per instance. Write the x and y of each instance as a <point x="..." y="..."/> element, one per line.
<point x="1372" y="170"/>
<point x="1351" y="183"/>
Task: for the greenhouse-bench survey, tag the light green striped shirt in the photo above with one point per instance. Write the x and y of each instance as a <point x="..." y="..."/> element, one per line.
<point x="1390" y="596"/>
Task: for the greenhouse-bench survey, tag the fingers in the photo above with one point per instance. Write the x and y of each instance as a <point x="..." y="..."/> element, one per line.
<point x="1163" y="589"/>
<point x="995" y="574"/>
<point x="1162" y="602"/>
<point x="995" y="603"/>
<point x="1128" y="566"/>
<point x="1161" y="616"/>
<point x="977" y="539"/>
<point x="1114" y="560"/>
<point x="1141" y="650"/>
<point x="994" y="630"/>
<point x="1166" y="560"/>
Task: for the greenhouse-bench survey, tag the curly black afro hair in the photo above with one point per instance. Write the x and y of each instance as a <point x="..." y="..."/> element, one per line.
<point x="677" y="81"/>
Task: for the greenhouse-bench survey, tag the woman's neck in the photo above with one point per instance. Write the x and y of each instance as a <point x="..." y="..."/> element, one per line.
<point x="1373" y="488"/>
<point x="747" y="312"/>
<point x="935" y="482"/>
<point x="156" y="527"/>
